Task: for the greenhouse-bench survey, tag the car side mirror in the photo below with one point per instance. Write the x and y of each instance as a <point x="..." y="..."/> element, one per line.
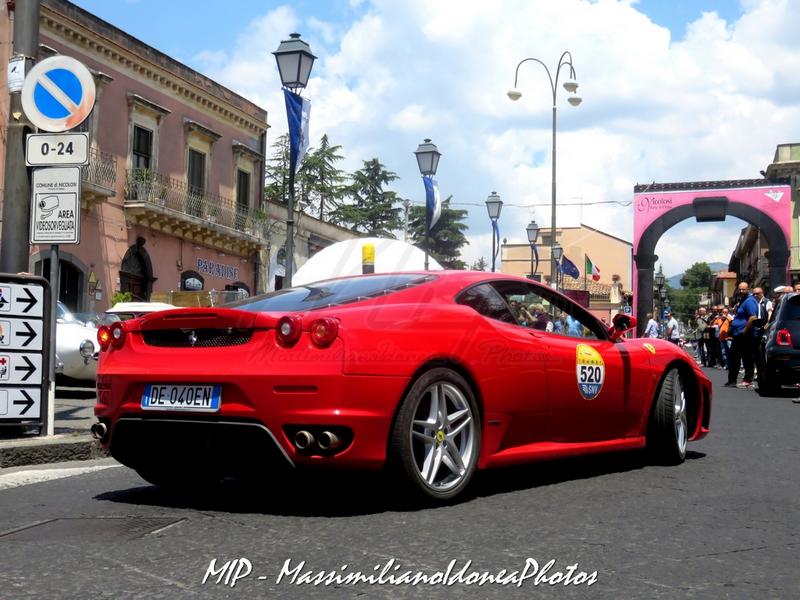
<point x="620" y="324"/>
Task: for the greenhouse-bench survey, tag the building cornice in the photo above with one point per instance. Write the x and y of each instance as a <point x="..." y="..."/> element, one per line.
<point x="167" y="74"/>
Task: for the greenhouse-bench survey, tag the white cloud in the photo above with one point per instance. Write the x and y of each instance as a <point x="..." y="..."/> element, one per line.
<point x="711" y="106"/>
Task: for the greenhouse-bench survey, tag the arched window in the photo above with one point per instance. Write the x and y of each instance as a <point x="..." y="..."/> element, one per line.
<point x="192" y="281"/>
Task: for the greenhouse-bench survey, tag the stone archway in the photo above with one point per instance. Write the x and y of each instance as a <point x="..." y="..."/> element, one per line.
<point x="714" y="205"/>
<point x="136" y="272"/>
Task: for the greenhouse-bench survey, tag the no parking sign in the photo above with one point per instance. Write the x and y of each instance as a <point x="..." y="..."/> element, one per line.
<point x="58" y="94"/>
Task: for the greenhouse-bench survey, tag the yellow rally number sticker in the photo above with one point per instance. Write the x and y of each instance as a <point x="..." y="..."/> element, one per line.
<point x="591" y="371"/>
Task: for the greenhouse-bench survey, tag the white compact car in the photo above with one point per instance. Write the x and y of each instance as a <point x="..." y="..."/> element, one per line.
<point x="123" y="311"/>
<point x="76" y="346"/>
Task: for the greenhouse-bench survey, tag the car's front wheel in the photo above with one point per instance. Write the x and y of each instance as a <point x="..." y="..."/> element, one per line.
<point x="669" y="421"/>
<point x="435" y="440"/>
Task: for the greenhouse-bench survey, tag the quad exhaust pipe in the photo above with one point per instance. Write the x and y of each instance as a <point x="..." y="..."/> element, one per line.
<point x="99" y="430"/>
<point x="303" y="439"/>
<point x="327" y="440"/>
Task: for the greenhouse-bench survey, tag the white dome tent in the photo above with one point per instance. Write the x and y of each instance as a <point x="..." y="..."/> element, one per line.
<point x="344" y="258"/>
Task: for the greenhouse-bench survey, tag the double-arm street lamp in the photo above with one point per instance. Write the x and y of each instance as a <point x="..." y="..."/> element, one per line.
<point x="294" y="60"/>
<point x="494" y="205"/>
<point x="571" y="85"/>
<point x="428" y="161"/>
<point x="533" y="235"/>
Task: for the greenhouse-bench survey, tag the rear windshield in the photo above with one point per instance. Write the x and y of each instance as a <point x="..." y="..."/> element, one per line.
<point x="323" y="294"/>
<point x="792" y="310"/>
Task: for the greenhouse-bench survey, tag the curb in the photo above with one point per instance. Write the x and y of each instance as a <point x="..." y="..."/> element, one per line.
<point x="43" y="450"/>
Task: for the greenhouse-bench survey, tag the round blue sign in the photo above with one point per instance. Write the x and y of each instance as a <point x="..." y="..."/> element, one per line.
<point x="58" y="94"/>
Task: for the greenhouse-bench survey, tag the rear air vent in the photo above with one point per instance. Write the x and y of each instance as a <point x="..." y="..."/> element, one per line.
<point x="197" y="338"/>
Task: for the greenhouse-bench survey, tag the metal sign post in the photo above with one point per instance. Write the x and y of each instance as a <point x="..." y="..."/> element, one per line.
<point x="58" y="94"/>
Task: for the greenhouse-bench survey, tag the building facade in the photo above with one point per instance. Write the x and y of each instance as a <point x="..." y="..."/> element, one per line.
<point x="787" y="164"/>
<point x="610" y="254"/>
<point x="170" y="199"/>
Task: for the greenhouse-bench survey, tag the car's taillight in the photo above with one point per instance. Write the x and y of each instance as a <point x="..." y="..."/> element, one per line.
<point x="784" y="338"/>
<point x="323" y="331"/>
<point x="288" y="330"/>
<point x="104" y="337"/>
<point x="117" y="331"/>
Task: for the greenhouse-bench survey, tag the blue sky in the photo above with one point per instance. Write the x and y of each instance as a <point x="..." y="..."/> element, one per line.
<point x="674" y="90"/>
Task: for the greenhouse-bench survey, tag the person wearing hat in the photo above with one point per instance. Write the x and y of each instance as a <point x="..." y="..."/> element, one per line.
<point x="672" y="334"/>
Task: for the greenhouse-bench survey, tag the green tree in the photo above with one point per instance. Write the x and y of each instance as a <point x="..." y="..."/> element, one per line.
<point x="697" y="276"/>
<point x="277" y="171"/>
<point x="372" y="208"/>
<point x="322" y="181"/>
<point x="479" y="265"/>
<point x="446" y="237"/>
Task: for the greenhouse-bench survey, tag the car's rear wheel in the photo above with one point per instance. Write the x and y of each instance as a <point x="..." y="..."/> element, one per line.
<point x="669" y="421"/>
<point x="435" y="439"/>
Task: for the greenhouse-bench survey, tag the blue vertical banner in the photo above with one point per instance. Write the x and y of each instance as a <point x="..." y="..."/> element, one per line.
<point x="298" y="110"/>
<point x="433" y="202"/>
<point x="496" y="249"/>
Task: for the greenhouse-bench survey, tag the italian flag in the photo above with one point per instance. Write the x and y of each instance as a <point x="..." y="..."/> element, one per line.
<point x="592" y="269"/>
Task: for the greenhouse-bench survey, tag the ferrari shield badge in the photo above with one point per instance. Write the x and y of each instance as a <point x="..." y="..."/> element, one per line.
<point x="650" y="348"/>
<point x="591" y="371"/>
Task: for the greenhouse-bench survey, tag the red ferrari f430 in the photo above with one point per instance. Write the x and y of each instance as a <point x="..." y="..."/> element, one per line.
<point x="434" y="375"/>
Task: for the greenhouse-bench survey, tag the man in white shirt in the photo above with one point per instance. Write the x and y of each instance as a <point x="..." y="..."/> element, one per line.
<point x="651" y="331"/>
<point x="672" y="335"/>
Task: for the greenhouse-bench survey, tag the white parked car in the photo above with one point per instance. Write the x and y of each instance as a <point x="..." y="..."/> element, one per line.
<point x="122" y="311"/>
<point x="77" y="349"/>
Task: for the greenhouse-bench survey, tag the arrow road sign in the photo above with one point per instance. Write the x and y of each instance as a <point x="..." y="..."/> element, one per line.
<point x="58" y="94"/>
<point x="20" y="300"/>
<point x="20" y="368"/>
<point x="20" y="403"/>
<point x="20" y="334"/>
<point x="26" y="402"/>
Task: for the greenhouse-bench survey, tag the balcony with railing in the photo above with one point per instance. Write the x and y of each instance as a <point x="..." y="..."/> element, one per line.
<point x="98" y="178"/>
<point x="166" y="204"/>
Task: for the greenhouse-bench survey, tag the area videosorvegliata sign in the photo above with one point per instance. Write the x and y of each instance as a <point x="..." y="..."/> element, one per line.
<point x="58" y="94"/>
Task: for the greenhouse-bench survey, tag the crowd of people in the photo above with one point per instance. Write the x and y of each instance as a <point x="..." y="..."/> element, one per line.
<point x="728" y="337"/>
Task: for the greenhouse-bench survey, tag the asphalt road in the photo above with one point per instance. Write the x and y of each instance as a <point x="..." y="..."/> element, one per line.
<point x="726" y="524"/>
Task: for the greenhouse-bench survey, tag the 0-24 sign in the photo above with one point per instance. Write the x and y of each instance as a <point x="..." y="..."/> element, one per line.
<point x="57" y="149"/>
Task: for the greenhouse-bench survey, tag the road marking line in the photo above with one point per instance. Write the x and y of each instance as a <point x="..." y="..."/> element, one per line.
<point x="29" y="477"/>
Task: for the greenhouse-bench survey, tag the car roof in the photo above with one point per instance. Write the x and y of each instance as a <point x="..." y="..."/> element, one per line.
<point x="134" y="307"/>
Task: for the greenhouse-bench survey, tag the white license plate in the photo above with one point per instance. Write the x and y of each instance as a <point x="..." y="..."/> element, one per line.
<point x="204" y="398"/>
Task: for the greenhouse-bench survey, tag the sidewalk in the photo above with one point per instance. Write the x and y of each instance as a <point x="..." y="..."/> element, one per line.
<point x="74" y="415"/>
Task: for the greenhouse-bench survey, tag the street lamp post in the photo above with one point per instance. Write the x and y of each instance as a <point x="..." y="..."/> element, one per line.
<point x="533" y="235"/>
<point x="294" y="60"/>
<point x="659" y="280"/>
<point x="557" y="251"/>
<point x="428" y="161"/>
<point x="494" y="205"/>
<point x="571" y="85"/>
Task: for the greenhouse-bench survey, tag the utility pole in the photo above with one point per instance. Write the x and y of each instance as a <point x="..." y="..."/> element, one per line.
<point x="15" y="246"/>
